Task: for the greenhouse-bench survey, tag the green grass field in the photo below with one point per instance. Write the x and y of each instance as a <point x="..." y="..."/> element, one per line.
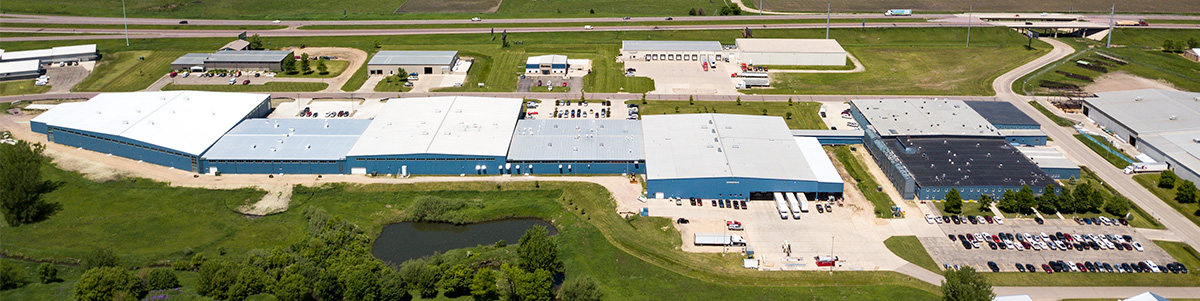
<point x="268" y="87"/>
<point x="1140" y="47"/>
<point x="804" y="114"/>
<point x="910" y="249"/>
<point x="18" y="87"/>
<point x="144" y="26"/>
<point x="391" y="84"/>
<point x="866" y="182"/>
<point x="1182" y="252"/>
<point x="335" y="68"/>
<point x="1150" y="182"/>
<point x="127" y="71"/>
<point x="968" y="208"/>
<point x="1059" y="120"/>
<point x="915" y="62"/>
<point x="149" y="222"/>
<point x="1113" y="159"/>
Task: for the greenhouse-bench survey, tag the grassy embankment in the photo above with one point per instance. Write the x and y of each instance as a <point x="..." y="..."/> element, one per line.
<point x="1150" y="182"/>
<point x="910" y="249"/>
<point x="804" y="114"/>
<point x="1141" y="51"/>
<point x="128" y="71"/>
<point x="866" y="182"/>
<point x="1112" y="158"/>
<point x="18" y="87"/>
<point x="1059" y="120"/>
<point x="143" y="26"/>
<point x="147" y="222"/>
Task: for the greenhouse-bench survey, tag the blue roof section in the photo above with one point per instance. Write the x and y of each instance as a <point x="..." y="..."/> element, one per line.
<point x="1001" y="113"/>
<point x="289" y="139"/>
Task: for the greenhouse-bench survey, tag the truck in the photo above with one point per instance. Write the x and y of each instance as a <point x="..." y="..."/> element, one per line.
<point x="898" y="12"/>
<point x="716" y="239"/>
<point x="747" y="83"/>
<point x="826" y="261"/>
<point x="782" y="205"/>
<point x="1132" y="23"/>
<point x="803" y="201"/>
<point x="1141" y="167"/>
<point x="793" y="204"/>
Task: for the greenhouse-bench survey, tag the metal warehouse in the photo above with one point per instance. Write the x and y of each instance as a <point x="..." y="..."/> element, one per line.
<point x="1162" y="124"/>
<point x="286" y="146"/>
<point x="267" y="60"/>
<point x="166" y="128"/>
<point x="424" y="62"/>
<point x="575" y="146"/>
<point x="20" y="69"/>
<point x="438" y="135"/>
<point x="791" y="52"/>
<point x="732" y="157"/>
<point x="707" y="51"/>
<point x="76" y="53"/>
<point x="926" y="147"/>
<point x="547" y="64"/>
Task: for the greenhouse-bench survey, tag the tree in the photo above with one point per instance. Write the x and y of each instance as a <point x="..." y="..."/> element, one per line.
<point x="1170" y="46"/>
<point x="966" y="285"/>
<point x="527" y="286"/>
<point x="108" y="283"/>
<point x="691" y="100"/>
<point x="361" y="284"/>
<point x="1087" y="199"/>
<point x="790" y="102"/>
<point x="985" y="201"/>
<point x="289" y="64"/>
<point x="700" y="12"/>
<point x="1193" y="43"/>
<point x="393" y="288"/>
<point x="250" y="281"/>
<point x="457" y="280"/>
<point x="327" y="287"/>
<point x="47" y="273"/>
<point x="1008" y="202"/>
<point x="953" y="201"/>
<point x="304" y="63"/>
<point x="1048" y="201"/>
<point x="293" y="287"/>
<point x="739" y="100"/>
<point x="420" y="276"/>
<point x="788" y="115"/>
<point x="643" y="98"/>
<point x="537" y="251"/>
<point x="256" y="42"/>
<point x="592" y="11"/>
<point x="1166" y="179"/>
<point x="1066" y="200"/>
<point x="483" y="285"/>
<point x="160" y="279"/>
<point x="321" y="67"/>
<point x="99" y="258"/>
<point x="581" y="288"/>
<point x="216" y="277"/>
<point x="21" y="184"/>
<point x="692" y="12"/>
<point x="11" y="276"/>
<point x="1186" y="192"/>
<point x="1025" y="200"/>
<point x="1118" y="205"/>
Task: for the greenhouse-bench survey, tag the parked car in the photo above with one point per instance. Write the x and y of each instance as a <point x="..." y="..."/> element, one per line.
<point x="1138" y="246"/>
<point x="1039" y="220"/>
<point x="929" y="219"/>
<point x="1047" y="268"/>
<point x="1020" y="267"/>
<point x="1030" y="268"/>
<point x="682" y="220"/>
<point x="246" y="82"/>
<point x="992" y="265"/>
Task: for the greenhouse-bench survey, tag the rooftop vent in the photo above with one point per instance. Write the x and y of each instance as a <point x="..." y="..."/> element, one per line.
<point x="1139" y="98"/>
<point x="1173" y="117"/>
<point x="550" y="144"/>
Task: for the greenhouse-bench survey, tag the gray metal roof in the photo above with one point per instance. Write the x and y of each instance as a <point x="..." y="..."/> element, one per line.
<point x="450" y="125"/>
<point x="48" y="53"/>
<point x="577" y="140"/>
<point x="671" y="46"/>
<point x="195" y="59"/>
<point x="407" y="57"/>
<point x="1001" y="112"/>
<point x="720" y="146"/>
<point x="1183" y="147"/>
<point x="249" y="56"/>
<point x="827" y="133"/>
<point x="1150" y="111"/>
<point x="924" y="117"/>
<point x="553" y="59"/>
<point x="1048" y="157"/>
<point x="790" y="45"/>
<point x="1022" y="133"/>
<point x="236" y="44"/>
<point x="288" y="139"/>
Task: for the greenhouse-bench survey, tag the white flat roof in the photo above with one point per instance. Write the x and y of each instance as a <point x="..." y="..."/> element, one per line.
<point x="924" y="117"/>
<point x="44" y="53"/>
<point x="1047" y="157"/>
<point x="1150" y="111"/>
<point x="722" y="145"/>
<point x="185" y="121"/>
<point x="20" y="66"/>
<point x="818" y="160"/>
<point x="450" y="125"/>
<point x="555" y="59"/>
<point x="790" y="45"/>
<point x="671" y="46"/>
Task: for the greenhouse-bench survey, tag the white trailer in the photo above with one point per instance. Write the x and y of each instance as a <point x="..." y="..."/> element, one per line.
<point x="782" y="205"/>
<point x="715" y="239"/>
<point x="793" y="204"/>
<point x="1140" y="167"/>
<point x="803" y="202"/>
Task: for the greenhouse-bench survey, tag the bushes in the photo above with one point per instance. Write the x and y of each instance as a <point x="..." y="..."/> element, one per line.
<point x="11" y="276"/>
<point x="160" y="279"/>
<point x="100" y="258"/>
<point x="433" y="209"/>
<point x="109" y="283"/>
<point x="47" y="273"/>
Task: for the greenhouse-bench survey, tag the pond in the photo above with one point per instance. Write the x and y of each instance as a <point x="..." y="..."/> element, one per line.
<point x="411" y="240"/>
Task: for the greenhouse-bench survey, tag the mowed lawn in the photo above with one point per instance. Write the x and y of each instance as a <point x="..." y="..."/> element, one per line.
<point x="804" y="114"/>
<point x="333" y="67"/>
<point x="910" y="249"/>
<point x="18" y="87"/>
<point x="127" y="71"/>
<point x="1150" y="182"/>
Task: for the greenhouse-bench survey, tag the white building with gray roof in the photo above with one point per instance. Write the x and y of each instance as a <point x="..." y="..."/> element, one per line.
<point x="565" y="146"/>
<point x="673" y="51"/>
<point x="266" y="60"/>
<point x="387" y="62"/>
<point x="1160" y="123"/>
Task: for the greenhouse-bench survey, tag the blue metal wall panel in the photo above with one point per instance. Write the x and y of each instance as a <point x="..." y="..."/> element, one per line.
<point x="1027" y="140"/>
<point x="275" y="167"/>
<point x="969" y="192"/>
<point x="1062" y="173"/>
<point x="123" y="147"/>
<point x="722" y="188"/>
<point x="578" y="168"/>
<point x="38" y="127"/>
<point x="427" y="164"/>
<point x="1016" y="126"/>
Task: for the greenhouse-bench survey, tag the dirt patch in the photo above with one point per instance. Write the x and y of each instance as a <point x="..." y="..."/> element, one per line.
<point x="1121" y="81"/>
<point x="449" y="6"/>
<point x="356" y="57"/>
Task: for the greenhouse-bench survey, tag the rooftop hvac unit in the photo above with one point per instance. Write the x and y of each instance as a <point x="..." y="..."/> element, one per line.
<point x="1173" y="117"/>
<point x="1139" y="98"/>
<point x="279" y="140"/>
<point x="253" y="146"/>
<point x="308" y="146"/>
<point x="272" y="149"/>
<point x="549" y="144"/>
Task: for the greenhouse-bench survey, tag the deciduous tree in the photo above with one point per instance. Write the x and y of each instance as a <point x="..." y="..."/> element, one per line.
<point x="483" y="285"/>
<point x="966" y="285"/>
<point x="581" y="288"/>
<point x="108" y="283"/>
<point x="47" y="273"/>
<point x="536" y="250"/>
<point x="953" y="201"/>
<point x="1186" y="192"/>
<point x="21" y="184"/>
<point x="1166" y="179"/>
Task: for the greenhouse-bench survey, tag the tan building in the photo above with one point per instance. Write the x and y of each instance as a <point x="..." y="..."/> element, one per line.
<point x="423" y="62"/>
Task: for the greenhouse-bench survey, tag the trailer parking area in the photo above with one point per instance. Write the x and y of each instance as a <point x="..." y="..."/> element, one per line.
<point x="687" y="77"/>
<point x="944" y="251"/>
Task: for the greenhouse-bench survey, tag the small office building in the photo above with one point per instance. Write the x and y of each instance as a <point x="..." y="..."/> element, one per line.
<point x="387" y="62"/>
<point x="546" y="64"/>
<point x="264" y="60"/>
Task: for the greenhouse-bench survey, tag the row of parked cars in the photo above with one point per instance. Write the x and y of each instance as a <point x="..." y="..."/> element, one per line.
<point x="974" y="220"/>
<point x="1058" y="241"/>
<point x="1060" y="266"/>
<point x="733" y="204"/>
<point x="1101" y="221"/>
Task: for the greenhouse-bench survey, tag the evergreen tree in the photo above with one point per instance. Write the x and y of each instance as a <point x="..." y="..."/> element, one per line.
<point x="953" y="202"/>
<point x="304" y="64"/>
<point x="985" y="201"/>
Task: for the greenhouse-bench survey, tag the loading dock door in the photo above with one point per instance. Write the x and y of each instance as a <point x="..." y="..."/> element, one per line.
<point x="428" y="70"/>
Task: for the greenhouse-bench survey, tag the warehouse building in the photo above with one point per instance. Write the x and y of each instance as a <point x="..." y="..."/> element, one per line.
<point x="20" y="69"/>
<point x="724" y="156"/>
<point x="166" y="128"/>
<point x="704" y="51"/>
<point x="791" y="52"/>
<point x="1052" y="161"/>
<point x="927" y="147"/>
<point x="547" y="64"/>
<point x="577" y="146"/>
<point x="285" y="146"/>
<point x="76" y="53"/>
<point x="424" y="62"/>
<point x="1162" y="124"/>
<point x="449" y="135"/>
<point x="264" y="60"/>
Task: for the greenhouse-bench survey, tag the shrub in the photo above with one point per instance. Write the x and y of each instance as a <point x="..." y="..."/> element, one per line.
<point x="47" y="273"/>
<point x="433" y="209"/>
<point x="198" y="260"/>
<point x="11" y="276"/>
<point x="160" y="279"/>
<point x="100" y="258"/>
<point x="109" y="283"/>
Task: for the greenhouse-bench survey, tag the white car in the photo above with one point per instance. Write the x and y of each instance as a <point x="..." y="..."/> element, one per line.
<point x="1019" y="247"/>
<point x="587" y="27"/>
<point x="276" y="21"/>
<point x="1044" y="236"/>
<point x="1153" y="267"/>
<point x="929" y="219"/>
<point x="999" y="220"/>
<point x="1138" y="246"/>
<point x="476" y="19"/>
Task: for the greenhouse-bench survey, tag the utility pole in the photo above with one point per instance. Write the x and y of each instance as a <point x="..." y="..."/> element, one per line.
<point x="970" y="17"/>
<point x="827" y="10"/>
<point x="125" y="18"/>
<point x="760" y="7"/>
<point x="1112" y="13"/>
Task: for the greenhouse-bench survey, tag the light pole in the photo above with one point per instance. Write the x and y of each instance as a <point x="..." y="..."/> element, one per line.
<point x="970" y="13"/>
<point x="125" y="18"/>
<point x="827" y="10"/>
<point x="1112" y="13"/>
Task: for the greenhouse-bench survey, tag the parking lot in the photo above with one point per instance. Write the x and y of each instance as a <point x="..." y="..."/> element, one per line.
<point x="687" y="77"/>
<point x="590" y="110"/>
<point x="943" y="250"/>
<point x="197" y="79"/>
<point x="530" y="83"/>
<point x="63" y="78"/>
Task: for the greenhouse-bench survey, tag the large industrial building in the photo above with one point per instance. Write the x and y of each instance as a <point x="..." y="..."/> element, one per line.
<point x="449" y="135"/>
<point x="1162" y="124"/>
<point x="568" y="146"/>
<point x="927" y="147"/>
<point x="1016" y="127"/>
<point x="20" y="69"/>
<point x="704" y="51"/>
<point x="724" y="156"/>
<point x="791" y="52"/>
<point x="266" y="60"/>
<point x="387" y="62"/>
<point x="166" y="128"/>
<point x="76" y="53"/>
<point x="285" y="146"/>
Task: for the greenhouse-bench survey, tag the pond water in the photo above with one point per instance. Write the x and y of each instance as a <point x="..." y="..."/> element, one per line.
<point x="411" y="240"/>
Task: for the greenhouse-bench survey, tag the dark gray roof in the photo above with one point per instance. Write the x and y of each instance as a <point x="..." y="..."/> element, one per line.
<point x="406" y="57"/>
<point x="967" y="162"/>
<point x="194" y="59"/>
<point x="1001" y="113"/>
<point x="249" y="56"/>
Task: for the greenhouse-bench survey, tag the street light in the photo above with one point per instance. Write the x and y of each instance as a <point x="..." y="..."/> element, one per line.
<point x="125" y="18"/>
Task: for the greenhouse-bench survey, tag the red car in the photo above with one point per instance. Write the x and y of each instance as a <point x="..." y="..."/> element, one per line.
<point x="246" y="82"/>
<point x="1046" y="267"/>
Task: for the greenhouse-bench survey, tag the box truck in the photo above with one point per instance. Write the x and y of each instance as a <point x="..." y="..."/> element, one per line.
<point x="898" y="12"/>
<point x="782" y="205"/>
